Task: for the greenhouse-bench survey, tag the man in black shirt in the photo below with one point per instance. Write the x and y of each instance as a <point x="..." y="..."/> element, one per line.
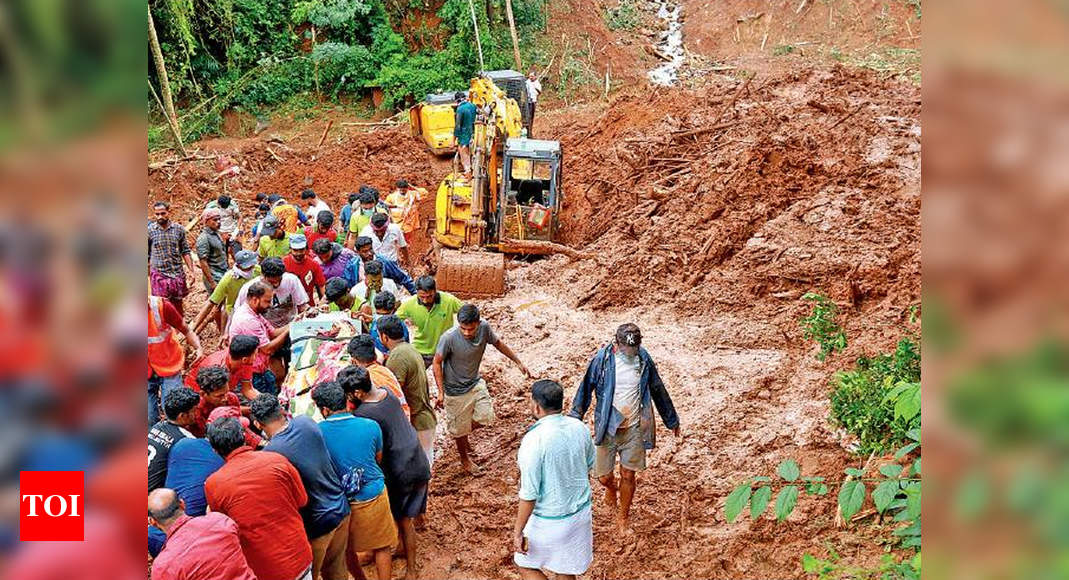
<point x="404" y="464"/>
<point x="178" y="407"/>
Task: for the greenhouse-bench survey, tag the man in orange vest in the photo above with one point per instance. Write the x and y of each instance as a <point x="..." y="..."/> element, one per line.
<point x="165" y="356"/>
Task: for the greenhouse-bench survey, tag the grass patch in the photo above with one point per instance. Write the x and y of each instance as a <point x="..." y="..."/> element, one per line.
<point x="624" y="16"/>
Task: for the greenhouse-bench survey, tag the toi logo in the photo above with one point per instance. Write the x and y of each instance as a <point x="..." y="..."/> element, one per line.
<point x="51" y="506"/>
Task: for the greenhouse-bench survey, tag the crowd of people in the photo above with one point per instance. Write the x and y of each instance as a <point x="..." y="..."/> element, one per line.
<point x="241" y="488"/>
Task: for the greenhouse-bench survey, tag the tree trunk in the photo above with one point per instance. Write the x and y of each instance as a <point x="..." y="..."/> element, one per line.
<point x="165" y="85"/>
<point x="512" y="31"/>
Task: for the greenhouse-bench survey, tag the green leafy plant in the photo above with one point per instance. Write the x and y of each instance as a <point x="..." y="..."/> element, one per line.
<point x="821" y="326"/>
<point x="783" y="49"/>
<point x="878" y="401"/>
<point x="896" y="493"/>
<point x="623" y="16"/>
<point x="790" y="485"/>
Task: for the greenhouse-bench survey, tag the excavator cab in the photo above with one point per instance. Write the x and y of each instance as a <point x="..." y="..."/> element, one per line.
<point x="531" y="178"/>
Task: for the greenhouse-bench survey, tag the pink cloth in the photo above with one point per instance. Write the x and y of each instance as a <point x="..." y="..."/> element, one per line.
<point x="245" y="321"/>
<point x="166" y="287"/>
<point x="202" y="547"/>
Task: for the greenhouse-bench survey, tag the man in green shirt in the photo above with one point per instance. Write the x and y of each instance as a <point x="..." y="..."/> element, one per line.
<point x="340" y="298"/>
<point x="273" y="240"/>
<point x="407" y="365"/>
<point x="221" y="303"/>
<point x="429" y="313"/>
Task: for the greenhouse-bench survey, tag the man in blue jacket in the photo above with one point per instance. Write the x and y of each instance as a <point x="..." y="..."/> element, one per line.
<point x="624" y="381"/>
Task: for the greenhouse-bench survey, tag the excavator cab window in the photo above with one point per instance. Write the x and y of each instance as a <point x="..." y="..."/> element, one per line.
<point x="530" y="180"/>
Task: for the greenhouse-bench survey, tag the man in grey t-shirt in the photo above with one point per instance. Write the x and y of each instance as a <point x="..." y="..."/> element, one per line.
<point x="456" y="368"/>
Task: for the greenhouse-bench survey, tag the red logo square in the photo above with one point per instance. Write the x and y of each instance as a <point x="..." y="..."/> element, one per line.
<point x="51" y="506"/>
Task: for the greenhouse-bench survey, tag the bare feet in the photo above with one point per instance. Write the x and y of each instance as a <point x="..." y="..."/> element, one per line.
<point x="623" y="526"/>
<point x="471" y="468"/>
<point x="411" y="572"/>
<point x="610" y="497"/>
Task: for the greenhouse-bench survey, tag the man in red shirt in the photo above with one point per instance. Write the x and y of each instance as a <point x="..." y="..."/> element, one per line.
<point x="322" y="228"/>
<point x="262" y="492"/>
<point x="213" y="384"/>
<point x="304" y="268"/>
<point x="201" y="547"/>
<point x="237" y="359"/>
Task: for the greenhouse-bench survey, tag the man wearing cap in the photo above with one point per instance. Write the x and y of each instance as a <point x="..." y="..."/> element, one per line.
<point x="322" y="229"/>
<point x="220" y="304"/>
<point x="464" y="130"/>
<point x="273" y="240"/>
<point x="211" y="250"/>
<point x="307" y="270"/>
<point x="387" y="239"/>
<point x="229" y="221"/>
<point x="290" y="216"/>
<point x="624" y="381"/>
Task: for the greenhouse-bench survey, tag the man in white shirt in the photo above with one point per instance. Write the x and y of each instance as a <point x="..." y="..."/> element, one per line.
<point x="314" y="204"/>
<point x="289" y="297"/>
<point x="387" y="239"/>
<point x="534" y="88"/>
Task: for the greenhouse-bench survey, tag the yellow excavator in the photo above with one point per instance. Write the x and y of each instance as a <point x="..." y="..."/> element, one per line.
<point x="511" y="205"/>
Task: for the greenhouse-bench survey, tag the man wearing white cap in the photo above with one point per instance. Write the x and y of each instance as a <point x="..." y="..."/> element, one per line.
<point x="304" y="268"/>
<point x="221" y="303"/>
<point x="211" y="250"/>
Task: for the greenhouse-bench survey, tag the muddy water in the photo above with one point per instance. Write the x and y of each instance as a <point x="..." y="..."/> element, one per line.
<point x="670" y="44"/>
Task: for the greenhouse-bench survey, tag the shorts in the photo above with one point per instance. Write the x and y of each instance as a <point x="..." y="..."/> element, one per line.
<point x="627" y="443"/>
<point x="464" y="141"/>
<point x="473" y="406"/>
<point x="407" y="501"/>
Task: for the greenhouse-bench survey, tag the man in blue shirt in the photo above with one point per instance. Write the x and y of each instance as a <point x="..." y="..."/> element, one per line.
<point x="553" y="528"/>
<point x="326" y="515"/>
<point x="355" y="445"/>
<point x="464" y="130"/>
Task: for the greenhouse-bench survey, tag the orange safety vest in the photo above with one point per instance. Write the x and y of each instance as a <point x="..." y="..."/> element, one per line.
<point x="165" y="355"/>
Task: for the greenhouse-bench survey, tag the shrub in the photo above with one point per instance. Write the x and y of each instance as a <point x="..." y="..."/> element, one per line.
<point x="623" y="17"/>
<point x="821" y="326"/>
<point x="879" y="400"/>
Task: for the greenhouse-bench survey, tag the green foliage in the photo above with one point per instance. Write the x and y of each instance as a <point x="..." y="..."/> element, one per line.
<point x="897" y="493"/>
<point x="783" y="49"/>
<point x="821" y="326"/>
<point x="916" y="4"/>
<point x="879" y="399"/>
<point x="889" y="569"/>
<point x="624" y="16"/>
<point x="255" y="54"/>
<point x="786" y="500"/>
<point x="328" y="13"/>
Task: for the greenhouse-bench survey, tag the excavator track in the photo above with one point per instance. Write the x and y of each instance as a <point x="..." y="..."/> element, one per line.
<point x="471" y="274"/>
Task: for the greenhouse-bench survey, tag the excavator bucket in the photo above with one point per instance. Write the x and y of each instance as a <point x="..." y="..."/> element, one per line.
<point x="471" y="274"/>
